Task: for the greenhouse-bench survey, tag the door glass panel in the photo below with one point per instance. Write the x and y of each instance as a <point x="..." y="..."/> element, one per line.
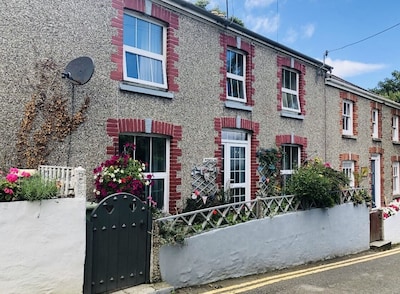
<point x="238" y="164"/>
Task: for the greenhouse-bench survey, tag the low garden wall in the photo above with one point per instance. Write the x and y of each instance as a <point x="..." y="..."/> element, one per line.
<point x="43" y="246"/>
<point x="391" y="229"/>
<point x="266" y="244"/>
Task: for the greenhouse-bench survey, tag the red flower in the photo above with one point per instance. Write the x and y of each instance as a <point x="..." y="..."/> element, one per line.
<point x="215" y="212"/>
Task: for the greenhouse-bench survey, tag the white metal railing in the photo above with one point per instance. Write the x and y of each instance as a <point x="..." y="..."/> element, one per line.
<point x="195" y="222"/>
<point x="71" y="181"/>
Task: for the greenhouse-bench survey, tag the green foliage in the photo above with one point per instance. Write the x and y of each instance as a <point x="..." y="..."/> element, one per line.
<point x="37" y="188"/>
<point x="317" y="184"/>
<point x="360" y="197"/>
<point x="269" y="162"/>
<point x="202" y="3"/>
<point x="389" y="87"/>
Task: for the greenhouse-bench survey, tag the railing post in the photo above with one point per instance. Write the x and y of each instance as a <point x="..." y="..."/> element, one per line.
<point x="80" y="182"/>
<point x="258" y="207"/>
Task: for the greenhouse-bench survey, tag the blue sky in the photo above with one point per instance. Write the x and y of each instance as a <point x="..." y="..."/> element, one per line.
<point x="314" y="26"/>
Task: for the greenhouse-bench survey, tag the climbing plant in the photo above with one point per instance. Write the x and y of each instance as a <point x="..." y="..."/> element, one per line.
<point x="47" y="117"/>
<point x="268" y="169"/>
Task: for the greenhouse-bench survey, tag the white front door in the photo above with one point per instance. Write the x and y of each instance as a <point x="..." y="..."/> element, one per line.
<point x="236" y="165"/>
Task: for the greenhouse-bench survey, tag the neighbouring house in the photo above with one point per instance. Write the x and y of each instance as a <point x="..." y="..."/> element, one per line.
<point x="183" y="85"/>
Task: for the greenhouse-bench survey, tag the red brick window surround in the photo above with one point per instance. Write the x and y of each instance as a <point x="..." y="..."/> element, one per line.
<point x="395" y="125"/>
<point x="376" y="120"/>
<point x="244" y="125"/>
<point x="348" y="115"/>
<point x="159" y="13"/>
<point x="395" y="159"/>
<point x="292" y="65"/>
<point x="117" y="126"/>
<point x="350" y="157"/>
<point x="236" y="43"/>
<point x="293" y="140"/>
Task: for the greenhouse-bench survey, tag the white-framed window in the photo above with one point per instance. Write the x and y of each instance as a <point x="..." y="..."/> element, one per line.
<point x="348" y="170"/>
<point x="395" y="128"/>
<point x="347" y="117"/>
<point x="236" y="75"/>
<point x="144" y="54"/>
<point x="154" y="152"/>
<point x="396" y="178"/>
<point x="290" y="161"/>
<point x="375" y="123"/>
<point x="236" y="164"/>
<point x="290" y="90"/>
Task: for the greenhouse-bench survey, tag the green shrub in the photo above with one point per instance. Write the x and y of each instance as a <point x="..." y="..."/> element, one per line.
<point x="317" y="184"/>
<point x="37" y="188"/>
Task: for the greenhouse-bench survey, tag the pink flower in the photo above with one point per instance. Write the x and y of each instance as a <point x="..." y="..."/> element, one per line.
<point x="197" y="192"/>
<point x="8" y="191"/>
<point x="327" y="164"/>
<point x="25" y="174"/>
<point x="13" y="170"/>
<point x="12" y="178"/>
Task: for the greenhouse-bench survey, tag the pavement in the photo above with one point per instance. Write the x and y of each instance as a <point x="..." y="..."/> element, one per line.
<point x="157" y="288"/>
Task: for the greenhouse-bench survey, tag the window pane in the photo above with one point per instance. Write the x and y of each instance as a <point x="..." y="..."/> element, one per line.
<point x="158" y="163"/>
<point x="132" y="65"/>
<point x="156" y="191"/>
<point x="142" y="32"/>
<point x="142" y="152"/>
<point x="129" y="33"/>
<point x="156" y="39"/>
<point x="293" y="81"/>
<point x="238" y="194"/>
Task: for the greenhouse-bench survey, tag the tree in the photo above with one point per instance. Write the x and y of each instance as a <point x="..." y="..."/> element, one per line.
<point x="390" y="87"/>
<point x="204" y="3"/>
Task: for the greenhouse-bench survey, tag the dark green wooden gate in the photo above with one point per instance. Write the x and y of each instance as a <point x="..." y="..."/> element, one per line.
<point x="118" y="244"/>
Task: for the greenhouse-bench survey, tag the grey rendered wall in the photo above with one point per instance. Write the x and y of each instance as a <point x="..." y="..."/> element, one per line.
<point x="267" y="244"/>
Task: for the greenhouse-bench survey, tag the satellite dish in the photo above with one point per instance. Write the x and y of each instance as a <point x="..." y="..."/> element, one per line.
<point x="79" y="71"/>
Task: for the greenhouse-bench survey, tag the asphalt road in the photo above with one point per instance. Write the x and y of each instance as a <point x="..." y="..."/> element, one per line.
<point x="367" y="272"/>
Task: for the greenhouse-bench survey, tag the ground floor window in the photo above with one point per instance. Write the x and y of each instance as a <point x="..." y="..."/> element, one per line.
<point x="236" y="164"/>
<point x="154" y="152"/>
<point x="290" y="161"/>
<point x="348" y="170"/>
<point x="396" y="179"/>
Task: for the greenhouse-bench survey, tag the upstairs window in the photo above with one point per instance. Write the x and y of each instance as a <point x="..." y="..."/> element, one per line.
<point x="235" y="76"/>
<point x="347" y="117"/>
<point x="348" y="170"/>
<point x="290" y="90"/>
<point x="395" y="128"/>
<point x="375" y="124"/>
<point x="144" y="52"/>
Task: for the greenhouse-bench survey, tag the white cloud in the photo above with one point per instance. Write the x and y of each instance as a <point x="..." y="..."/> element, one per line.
<point x="308" y="30"/>
<point x="348" y="68"/>
<point x="250" y="4"/>
<point x="290" y="36"/>
<point x="262" y="25"/>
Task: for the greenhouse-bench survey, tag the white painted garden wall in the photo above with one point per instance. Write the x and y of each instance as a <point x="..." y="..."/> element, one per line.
<point x="271" y="243"/>
<point x="42" y="248"/>
<point x="391" y="229"/>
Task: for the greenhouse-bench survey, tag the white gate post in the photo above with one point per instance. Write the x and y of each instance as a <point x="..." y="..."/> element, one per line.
<point x="80" y="182"/>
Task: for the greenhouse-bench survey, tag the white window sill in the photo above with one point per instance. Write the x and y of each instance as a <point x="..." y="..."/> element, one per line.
<point x="352" y="137"/>
<point x="147" y="91"/>
<point x="289" y="114"/>
<point x="396" y="142"/>
<point x="238" y="105"/>
<point x="376" y="140"/>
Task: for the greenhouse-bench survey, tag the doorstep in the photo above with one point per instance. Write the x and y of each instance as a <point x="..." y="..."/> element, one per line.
<point x="381" y="245"/>
<point x="157" y="288"/>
